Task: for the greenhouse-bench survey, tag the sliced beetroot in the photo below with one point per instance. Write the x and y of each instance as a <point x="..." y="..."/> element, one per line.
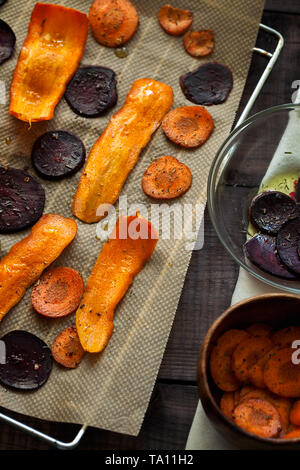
<point x="22" y="200"/>
<point x="209" y="84"/>
<point x="92" y="91"/>
<point x="270" y="210"/>
<point x="57" y="154"/>
<point x="28" y="361"/>
<point x="288" y="239"/>
<point x="261" y="251"/>
<point x="7" y="41"/>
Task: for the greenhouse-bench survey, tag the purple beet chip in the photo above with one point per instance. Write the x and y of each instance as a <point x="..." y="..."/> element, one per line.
<point x="261" y="251"/>
<point x="7" y="41"/>
<point x="270" y="210"/>
<point x="288" y="240"/>
<point x="57" y="154"/>
<point x="22" y="200"/>
<point x="26" y="361"/>
<point x="92" y="91"/>
<point x="209" y="84"/>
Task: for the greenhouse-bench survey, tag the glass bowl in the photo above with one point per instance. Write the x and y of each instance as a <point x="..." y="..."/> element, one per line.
<point x="237" y="173"/>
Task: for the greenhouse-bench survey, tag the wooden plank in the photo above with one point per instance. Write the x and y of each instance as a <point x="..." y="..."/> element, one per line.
<point x="166" y="426"/>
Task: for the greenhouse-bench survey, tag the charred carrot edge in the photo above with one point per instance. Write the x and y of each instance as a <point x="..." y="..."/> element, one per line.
<point x="199" y="43"/>
<point x="188" y="126"/>
<point x="58" y="292"/>
<point x="247" y="353"/>
<point x="35" y="74"/>
<point x="27" y="259"/>
<point x="166" y="178"/>
<point x="175" y="21"/>
<point x="113" y="22"/>
<point x="220" y="360"/>
<point x="119" y="261"/>
<point x="66" y="348"/>
<point x="258" y="417"/>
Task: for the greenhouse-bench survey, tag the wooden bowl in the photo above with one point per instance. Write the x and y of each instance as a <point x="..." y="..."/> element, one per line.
<point x="278" y="310"/>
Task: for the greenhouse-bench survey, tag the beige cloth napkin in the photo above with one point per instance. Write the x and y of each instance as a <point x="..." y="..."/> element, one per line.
<point x="202" y="434"/>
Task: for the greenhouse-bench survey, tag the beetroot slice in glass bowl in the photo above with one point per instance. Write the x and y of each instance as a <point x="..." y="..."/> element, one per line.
<point x="7" y="41"/>
<point x="26" y="361"/>
<point x="22" y="200"/>
<point x="270" y="210"/>
<point x="261" y="251"/>
<point x="209" y="84"/>
<point x="288" y="240"/>
<point x="92" y="91"/>
<point x="57" y="154"/>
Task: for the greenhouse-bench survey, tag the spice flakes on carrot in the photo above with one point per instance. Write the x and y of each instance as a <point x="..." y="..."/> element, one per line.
<point x="113" y="22"/>
<point x="166" y="178"/>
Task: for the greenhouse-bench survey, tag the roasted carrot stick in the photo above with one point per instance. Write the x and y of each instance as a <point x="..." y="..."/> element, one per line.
<point x="119" y="261"/>
<point x="27" y="259"/>
<point x="117" y="150"/>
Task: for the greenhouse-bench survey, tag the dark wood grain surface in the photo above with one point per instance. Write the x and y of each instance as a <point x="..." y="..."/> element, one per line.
<point x="207" y="290"/>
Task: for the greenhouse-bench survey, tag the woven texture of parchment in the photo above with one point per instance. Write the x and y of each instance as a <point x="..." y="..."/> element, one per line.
<point x="112" y="390"/>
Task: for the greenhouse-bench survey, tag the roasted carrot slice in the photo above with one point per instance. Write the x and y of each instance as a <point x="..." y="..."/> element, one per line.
<point x="199" y="43"/>
<point x="295" y="413"/>
<point x="117" y="150"/>
<point x="113" y="22"/>
<point x="49" y="57"/>
<point x="281" y="376"/>
<point x="259" y="329"/>
<point x="229" y="401"/>
<point x="282" y="405"/>
<point x="295" y="434"/>
<point x="175" y="21"/>
<point x="129" y="247"/>
<point x="188" y="126"/>
<point x="27" y="259"/>
<point x="247" y="353"/>
<point x="258" y="417"/>
<point x="66" y="348"/>
<point x="256" y="372"/>
<point x="285" y="337"/>
<point x="220" y="360"/>
<point x="166" y="178"/>
<point x="58" y="292"/>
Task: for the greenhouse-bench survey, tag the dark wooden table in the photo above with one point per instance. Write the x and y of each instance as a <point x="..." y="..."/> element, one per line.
<point x="207" y="290"/>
